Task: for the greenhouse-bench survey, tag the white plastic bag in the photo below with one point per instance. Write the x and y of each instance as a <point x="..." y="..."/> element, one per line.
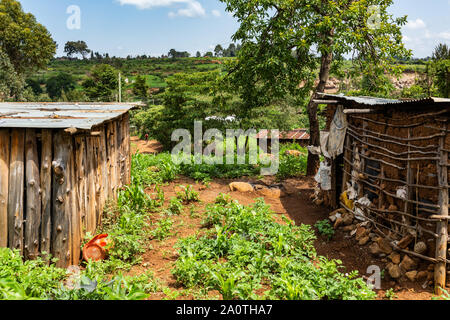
<point x="359" y="213"/>
<point x="323" y="177"/>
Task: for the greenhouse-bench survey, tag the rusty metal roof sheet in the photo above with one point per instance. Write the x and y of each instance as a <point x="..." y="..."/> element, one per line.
<point x="83" y="116"/>
<point x="372" y="101"/>
<point x="297" y="134"/>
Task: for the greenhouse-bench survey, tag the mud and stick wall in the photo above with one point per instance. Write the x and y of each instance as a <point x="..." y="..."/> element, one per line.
<point x="54" y="186"/>
<point x="399" y="161"/>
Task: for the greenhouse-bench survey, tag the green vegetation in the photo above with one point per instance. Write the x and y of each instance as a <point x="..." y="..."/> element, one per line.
<point x="247" y="255"/>
<point x="325" y="228"/>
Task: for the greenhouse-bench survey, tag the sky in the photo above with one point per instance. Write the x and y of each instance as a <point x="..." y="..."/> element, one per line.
<point x="153" y="27"/>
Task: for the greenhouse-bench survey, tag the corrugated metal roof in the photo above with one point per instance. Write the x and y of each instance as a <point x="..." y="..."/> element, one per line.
<point x="297" y="134"/>
<point x="83" y="116"/>
<point x="371" y="101"/>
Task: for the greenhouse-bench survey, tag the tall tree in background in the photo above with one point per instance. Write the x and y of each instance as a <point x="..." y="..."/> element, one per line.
<point x="285" y="42"/>
<point x="441" y="52"/>
<point x="25" y="45"/>
<point x="218" y="51"/>
<point x="76" y="47"/>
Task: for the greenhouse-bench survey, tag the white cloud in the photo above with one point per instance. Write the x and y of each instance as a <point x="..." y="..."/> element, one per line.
<point x="444" y="35"/>
<point x="192" y="8"/>
<point x="216" y="13"/>
<point x="416" y="24"/>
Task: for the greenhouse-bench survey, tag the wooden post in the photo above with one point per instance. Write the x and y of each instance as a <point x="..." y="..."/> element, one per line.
<point x="127" y="148"/>
<point x="81" y="181"/>
<point x="104" y="157"/>
<point x="46" y="189"/>
<point x="347" y="168"/>
<point x="4" y="178"/>
<point x="442" y="226"/>
<point x="61" y="247"/>
<point x="75" y="216"/>
<point x="363" y="162"/>
<point x="33" y="205"/>
<point x="91" y="172"/>
<point x="16" y="190"/>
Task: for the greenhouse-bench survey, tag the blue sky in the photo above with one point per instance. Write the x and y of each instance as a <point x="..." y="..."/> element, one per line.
<point x="153" y="27"/>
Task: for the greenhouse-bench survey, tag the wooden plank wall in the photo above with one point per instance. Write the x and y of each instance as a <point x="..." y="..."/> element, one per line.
<point x="54" y="186"/>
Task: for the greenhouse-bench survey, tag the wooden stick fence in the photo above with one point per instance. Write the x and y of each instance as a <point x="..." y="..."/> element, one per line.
<point x="402" y="154"/>
<point x="54" y="185"/>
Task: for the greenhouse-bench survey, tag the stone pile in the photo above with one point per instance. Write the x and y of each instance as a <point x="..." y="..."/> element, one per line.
<point x="399" y="265"/>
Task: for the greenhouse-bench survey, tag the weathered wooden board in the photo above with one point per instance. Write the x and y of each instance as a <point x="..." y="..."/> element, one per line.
<point x="33" y="199"/>
<point x="91" y="199"/>
<point x="46" y="189"/>
<point x="61" y="214"/>
<point x="75" y="217"/>
<point x="5" y="138"/>
<point x="16" y="190"/>
<point x="81" y="182"/>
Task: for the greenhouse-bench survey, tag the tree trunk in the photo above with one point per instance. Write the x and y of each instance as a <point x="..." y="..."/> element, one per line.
<point x="313" y="160"/>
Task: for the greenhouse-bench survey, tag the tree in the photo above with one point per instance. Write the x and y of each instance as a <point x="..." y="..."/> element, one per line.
<point x="284" y="43"/>
<point x="140" y="87"/>
<point x="27" y="43"/>
<point x="218" y="51"/>
<point x="102" y="83"/>
<point x="11" y="83"/>
<point x="209" y="54"/>
<point x="56" y="85"/>
<point x="35" y="86"/>
<point x="198" y="54"/>
<point x="441" y="52"/>
<point x="76" y="47"/>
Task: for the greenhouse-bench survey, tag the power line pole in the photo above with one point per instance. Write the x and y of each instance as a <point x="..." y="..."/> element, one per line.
<point x="120" y="87"/>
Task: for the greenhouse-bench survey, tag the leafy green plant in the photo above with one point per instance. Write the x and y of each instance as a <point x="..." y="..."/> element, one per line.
<point x="325" y="228"/>
<point x="245" y="250"/>
<point x="188" y="194"/>
<point x="163" y="229"/>
<point x="175" y="207"/>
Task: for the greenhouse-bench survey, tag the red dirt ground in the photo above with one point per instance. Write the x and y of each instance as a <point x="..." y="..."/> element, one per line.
<point x="161" y="255"/>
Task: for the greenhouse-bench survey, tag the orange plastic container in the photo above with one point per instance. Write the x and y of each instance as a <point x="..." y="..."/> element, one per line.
<point x="96" y="249"/>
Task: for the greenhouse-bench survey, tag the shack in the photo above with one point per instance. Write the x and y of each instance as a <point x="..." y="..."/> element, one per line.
<point x="388" y="164"/>
<point x="59" y="165"/>
<point x="300" y="136"/>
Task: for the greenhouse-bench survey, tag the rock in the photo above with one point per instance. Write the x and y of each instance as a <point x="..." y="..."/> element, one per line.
<point x="340" y="211"/>
<point x="408" y="264"/>
<point x="335" y="217"/>
<point x="349" y="228"/>
<point x="363" y="241"/>
<point x="294" y="153"/>
<point x="384" y="245"/>
<point x="348" y="218"/>
<point x="392" y="207"/>
<point x="318" y="202"/>
<point x="373" y="236"/>
<point x="411" y="275"/>
<point x="241" y="187"/>
<point x="405" y="241"/>
<point x="395" y="257"/>
<point x="374" y="249"/>
<point x="338" y="223"/>
<point x="274" y="193"/>
<point x="420" y="247"/>
<point x="421" y="275"/>
<point x="361" y="233"/>
<point x="289" y="189"/>
<point x="394" y="271"/>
